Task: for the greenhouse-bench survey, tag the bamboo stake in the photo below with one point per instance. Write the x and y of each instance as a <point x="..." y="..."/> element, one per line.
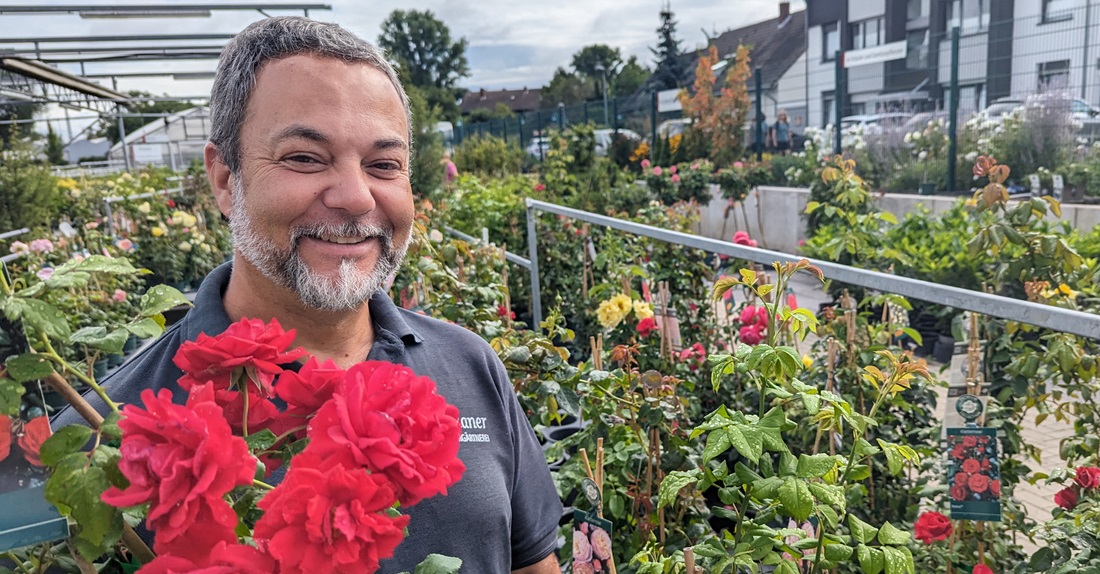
<point x="587" y="465"/>
<point x="689" y="560"/>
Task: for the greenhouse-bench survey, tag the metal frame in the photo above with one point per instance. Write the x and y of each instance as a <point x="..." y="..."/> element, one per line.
<point x="1054" y="318"/>
<point x="508" y="255"/>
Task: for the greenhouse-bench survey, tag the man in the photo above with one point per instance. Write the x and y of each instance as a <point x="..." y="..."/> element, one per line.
<point x="309" y="159"/>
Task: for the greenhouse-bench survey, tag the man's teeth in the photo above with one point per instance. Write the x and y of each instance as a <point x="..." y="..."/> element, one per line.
<point x="342" y="240"/>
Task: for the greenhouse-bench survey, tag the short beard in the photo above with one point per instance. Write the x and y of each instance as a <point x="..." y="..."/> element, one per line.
<point x="286" y="268"/>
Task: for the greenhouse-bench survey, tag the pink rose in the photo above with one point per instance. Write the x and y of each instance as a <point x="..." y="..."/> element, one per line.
<point x="675" y="178"/>
<point x="119" y="296"/>
<point x="582" y="549"/>
<point x="645" y="163"/>
<point x="657" y="170"/>
<point x="601" y="543"/>
<point x="738" y="165"/>
<point x="672" y="169"/>
<point x="125" y="245"/>
<point x="44" y="273"/>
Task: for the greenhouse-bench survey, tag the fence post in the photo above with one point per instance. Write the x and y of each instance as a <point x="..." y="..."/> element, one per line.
<point x="953" y="118"/>
<point x="615" y="115"/>
<point x="653" y="124"/>
<point x="586" y="112"/>
<point x="533" y="255"/>
<point x="542" y="135"/>
<point x="759" y="143"/>
<point x="521" y="119"/>
<point x="838" y="99"/>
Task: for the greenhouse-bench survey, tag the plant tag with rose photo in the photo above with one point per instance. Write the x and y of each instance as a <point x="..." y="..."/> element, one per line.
<point x="591" y="543"/>
<point x="974" y="473"/>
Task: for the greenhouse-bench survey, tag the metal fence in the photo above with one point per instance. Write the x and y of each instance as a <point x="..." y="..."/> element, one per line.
<point x="1055" y="318"/>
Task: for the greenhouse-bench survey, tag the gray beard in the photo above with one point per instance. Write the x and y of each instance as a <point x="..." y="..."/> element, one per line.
<point x="285" y="267"/>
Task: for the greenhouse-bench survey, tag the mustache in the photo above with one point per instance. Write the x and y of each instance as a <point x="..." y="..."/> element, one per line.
<point x="343" y="229"/>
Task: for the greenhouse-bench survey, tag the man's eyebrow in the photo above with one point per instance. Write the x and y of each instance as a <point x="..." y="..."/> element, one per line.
<point x="391" y="143"/>
<point x="301" y="132"/>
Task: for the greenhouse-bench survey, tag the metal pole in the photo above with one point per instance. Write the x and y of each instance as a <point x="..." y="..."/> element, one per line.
<point x="953" y="118"/>
<point x="606" y="121"/>
<point x="653" y="125"/>
<point x="838" y="95"/>
<point x="758" y="75"/>
<point x="561" y="115"/>
<point x="615" y="115"/>
<point x="533" y="257"/>
<point x="586" y="112"/>
<point x="542" y="136"/>
<point x="1085" y="51"/>
<point x="121" y="128"/>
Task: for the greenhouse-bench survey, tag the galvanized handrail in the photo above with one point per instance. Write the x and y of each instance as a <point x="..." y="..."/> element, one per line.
<point x="1055" y="318"/>
<point x="508" y="255"/>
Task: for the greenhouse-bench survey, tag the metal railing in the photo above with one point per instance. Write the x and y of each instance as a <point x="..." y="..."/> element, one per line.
<point x="508" y="255"/>
<point x="1055" y="318"/>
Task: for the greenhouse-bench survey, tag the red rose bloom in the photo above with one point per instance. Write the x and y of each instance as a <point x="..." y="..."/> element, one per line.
<point x="309" y="388"/>
<point x="1088" y="477"/>
<point x="981" y="569"/>
<point x="386" y="418"/>
<point x="181" y="460"/>
<point x="970" y="441"/>
<point x="247" y="344"/>
<point x="224" y="559"/>
<point x="646" y="326"/>
<point x="1066" y="498"/>
<point x="971" y="466"/>
<point x="958" y="452"/>
<point x="978" y="483"/>
<point x="995" y="488"/>
<point x="5" y="436"/>
<point x="959" y="493"/>
<point x="35" y="432"/>
<point x="751" y="334"/>
<point x="961" y="478"/>
<point x="932" y="526"/>
<point x="331" y="520"/>
<point x="985" y="464"/>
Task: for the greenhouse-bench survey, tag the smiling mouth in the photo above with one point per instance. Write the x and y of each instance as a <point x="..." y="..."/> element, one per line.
<point x="342" y="240"/>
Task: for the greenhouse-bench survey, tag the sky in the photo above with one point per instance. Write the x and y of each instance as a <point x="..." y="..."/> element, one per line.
<point x="512" y="43"/>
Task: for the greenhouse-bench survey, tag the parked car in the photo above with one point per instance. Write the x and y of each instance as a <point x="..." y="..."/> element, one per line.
<point x="1078" y="108"/>
<point x="669" y="128"/>
<point x="533" y="146"/>
<point x="875" y="123"/>
<point x="606" y="137"/>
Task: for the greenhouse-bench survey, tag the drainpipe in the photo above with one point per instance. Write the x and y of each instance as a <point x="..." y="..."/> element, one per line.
<point x="1085" y="52"/>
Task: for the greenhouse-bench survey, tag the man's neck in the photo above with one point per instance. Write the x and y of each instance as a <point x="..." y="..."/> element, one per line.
<point x="345" y="336"/>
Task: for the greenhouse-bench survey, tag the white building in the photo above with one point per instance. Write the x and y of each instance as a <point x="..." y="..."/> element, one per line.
<point x="173" y="140"/>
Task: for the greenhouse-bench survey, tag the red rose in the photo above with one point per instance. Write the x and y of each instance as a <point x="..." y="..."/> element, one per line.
<point x="970" y="441"/>
<point x="386" y="418"/>
<point x="209" y="522"/>
<point x="1088" y="477"/>
<point x="248" y="347"/>
<point x="1066" y="498"/>
<point x="262" y="413"/>
<point x="958" y="452"/>
<point x="932" y="526"/>
<point x="5" y="436"/>
<point x="331" y="520"/>
<point x="35" y="432"/>
<point x="978" y="483"/>
<point x="309" y="388"/>
<point x="959" y="493"/>
<point x="985" y="464"/>
<point x="961" y="477"/>
<point x="646" y="326"/>
<point x="971" y="466"/>
<point x="983" y="439"/>
<point x="995" y="488"/>
<point x="981" y="569"/>
<point x="182" y="461"/>
<point x="751" y="334"/>
<point x="225" y="558"/>
<point x="503" y="312"/>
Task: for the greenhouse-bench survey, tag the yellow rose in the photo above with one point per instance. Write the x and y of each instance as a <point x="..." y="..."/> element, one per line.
<point x="609" y="315"/>
<point x="642" y="310"/>
<point x="807" y="362"/>
<point x="127" y="177"/>
<point x="189" y="220"/>
<point x="205" y="248"/>
<point x="144" y="207"/>
<point x="623" y="303"/>
<point x="185" y="246"/>
<point x="157" y="231"/>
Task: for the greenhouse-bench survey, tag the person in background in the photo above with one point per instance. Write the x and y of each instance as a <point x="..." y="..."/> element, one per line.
<point x="450" y="170"/>
<point x="780" y="134"/>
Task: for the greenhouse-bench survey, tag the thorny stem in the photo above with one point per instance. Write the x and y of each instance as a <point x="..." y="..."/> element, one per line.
<point x="53" y="355"/>
<point x="262" y="484"/>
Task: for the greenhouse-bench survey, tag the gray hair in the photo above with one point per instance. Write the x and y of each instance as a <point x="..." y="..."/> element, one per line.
<point x="274" y="39"/>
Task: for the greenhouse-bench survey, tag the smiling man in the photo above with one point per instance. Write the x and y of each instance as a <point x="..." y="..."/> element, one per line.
<point x="309" y="159"/>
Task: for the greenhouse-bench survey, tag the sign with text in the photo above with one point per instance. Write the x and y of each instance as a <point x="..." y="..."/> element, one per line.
<point x="876" y="54"/>
<point x="669" y="101"/>
<point x="147" y="153"/>
<point x="974" y="474"/>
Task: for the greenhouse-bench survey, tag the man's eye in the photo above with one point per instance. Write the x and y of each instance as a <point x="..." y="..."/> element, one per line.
<point x="387" y="165"/>
<point x="301" y="159"/>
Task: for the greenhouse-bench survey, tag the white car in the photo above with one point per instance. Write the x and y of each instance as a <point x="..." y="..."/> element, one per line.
<point x="533" y="146"/>
<point x="875" y="123"/>
<point x="605" y="138"/>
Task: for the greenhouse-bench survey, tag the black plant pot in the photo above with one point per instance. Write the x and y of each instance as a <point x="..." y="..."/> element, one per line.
<point x="944" y="349"/>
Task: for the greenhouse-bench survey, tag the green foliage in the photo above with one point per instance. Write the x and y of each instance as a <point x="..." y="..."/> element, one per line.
<point x="670" y="69"/>
<point x="567" y="88"/>
<point x="426" y="173"/>
<point x="426" y="57"/>
<point x="29" y="195"/>
<point x="488" y="156"/>
<point x="55" y="148"/>
<point x="108" y="126"/>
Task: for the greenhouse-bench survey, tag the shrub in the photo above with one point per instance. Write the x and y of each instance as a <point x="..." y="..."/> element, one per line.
<point x="488" y="156"/>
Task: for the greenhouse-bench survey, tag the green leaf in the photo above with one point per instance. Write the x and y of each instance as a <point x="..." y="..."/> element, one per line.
<point x="894" y="460"/>
<point x="717" y="443"/>
<point x="260" y="441"/>
<point x="870" y="559"/>
<point x="812" y="403"/>
<point x="896" y="561"/>
<point x="828" y="515"/>
<point x="814" y="466"/>
<point x="64" y="281"/>
<point x="104" y="264"/>
<point x="861" y="531"/>
<point x="99" y="338"/>
<point x="888" y="217"/>
<point x="11" y="396"/>
<point x="1042" y="560"/>
<point x="67" y="440"/>
<point x="724" y="284"/>
<point x="914" y="335"/>
<point x="888" y="534"/>
<point x="673" y="483"/>
<point x="859" y="472"/>
<point x="145" y="328"/>
<point x="39" y="316"/>
<point x="786" y="567"/>
<point x="161" y="298"/>
<point x="75" y="488"/>
<point x="838" y="552"/>
<point x="829" y="494"/>
<point x="28" y="367"/>
<point x="767" y="488"/>
<point x="438" y="564"/>
<point x="796" y="499"/>
<point x="109" y="427"/>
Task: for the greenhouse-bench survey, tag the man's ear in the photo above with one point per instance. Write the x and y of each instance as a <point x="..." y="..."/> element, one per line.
<point x="221" y="179"/>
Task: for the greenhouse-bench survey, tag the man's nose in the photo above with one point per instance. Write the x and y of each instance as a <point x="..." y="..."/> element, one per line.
<point x="351" y="190"/>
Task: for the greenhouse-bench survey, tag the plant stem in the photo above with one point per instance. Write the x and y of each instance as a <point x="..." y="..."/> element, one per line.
<point x="52" y="354"/>
<point x="262" y="484"/>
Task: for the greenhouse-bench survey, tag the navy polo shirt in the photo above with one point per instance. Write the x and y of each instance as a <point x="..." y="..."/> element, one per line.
<point x="501" y="516"/>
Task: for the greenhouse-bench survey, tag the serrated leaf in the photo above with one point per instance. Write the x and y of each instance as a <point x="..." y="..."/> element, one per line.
<point x="39" y="316"/>
<point x="894" y="460"/>
<point x="100" y="338"/>
<point x="890" y="535"/>
<point x="28" y="367"/>
<point x="104" y="264"/>
<point x="11" y="396"/>
<point x="146" y="328"/>
<point x="786" y="567"/>
<point x="896" y="561"/>
<point x="75" y="488"/>
<point x="814" y="466"/>
<point x="673" y="483"/>
<point x="1042" y="560"/>
<point x="438" y="564"/>
<point x="829" y="494"/>
<point x="859" y="472"/>
<point x="871" y="560"/>
<point x="838" y="552"/>
<point x="67" y="440"/>
<point x="812" y="403"/>
<point x="161" y="298"/>
<point x="109" y="427"/>
<point x="828" y="515"/>
<point x="724" y="284"/>
<point x="748" y="441"/>
<point x="796" y="499"/>
<point x="718" y="442"/>
<point x="260" y="441"/>
<point x="767" y="488"/>
<point x="861" y="531"/>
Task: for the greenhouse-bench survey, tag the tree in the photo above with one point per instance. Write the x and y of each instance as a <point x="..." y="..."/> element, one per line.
<point x="567" y="88"/>
<point x="499" y="112"/>
<point x="55" y="148"/>
<point x="420" y="47"/>
<point x="669" y="66"/>
<point x="598" y="62"/>
<point x="108" y="126"/>
<point x="29" y="196"/>
<point x="631" y="76"/>
<point x="14" y="111"/>
<point x="426" y="172"/>
<point x="720" y="118"/>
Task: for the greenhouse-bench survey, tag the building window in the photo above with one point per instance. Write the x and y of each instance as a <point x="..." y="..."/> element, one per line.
<point x="1056" y="10"/>
<point x="1054" y="75"/>
<point x="917" y="9"/>
<point x="917" y="50"/>
<point x="828" y="103"/>
<point x="830" y="40"/>
<point x="868" y="33"/>
<point x="969" y="16"/>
